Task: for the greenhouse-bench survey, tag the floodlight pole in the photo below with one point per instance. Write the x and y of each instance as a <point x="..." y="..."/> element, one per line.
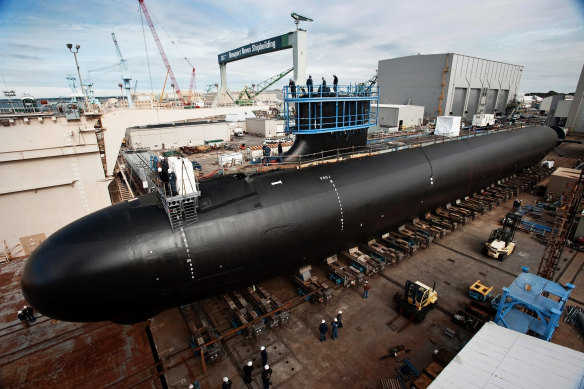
<point x="77" y="47"/>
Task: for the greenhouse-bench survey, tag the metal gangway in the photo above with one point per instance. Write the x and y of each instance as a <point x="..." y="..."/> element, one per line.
<point x="177" y="188"/>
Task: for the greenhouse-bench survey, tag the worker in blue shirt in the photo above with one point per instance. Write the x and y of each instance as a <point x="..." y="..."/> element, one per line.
<point x="335" y="329"/>
<point x="323" y="329"/>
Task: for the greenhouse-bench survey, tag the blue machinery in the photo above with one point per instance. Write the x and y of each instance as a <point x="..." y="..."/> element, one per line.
<point x="532" y="305"/>
<point x="322" y="109"/>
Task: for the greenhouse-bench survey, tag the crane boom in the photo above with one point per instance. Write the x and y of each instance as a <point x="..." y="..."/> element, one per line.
<point x="192" y="82"/>
<point x="123" y="65"/>
<point x="161" y="49"/>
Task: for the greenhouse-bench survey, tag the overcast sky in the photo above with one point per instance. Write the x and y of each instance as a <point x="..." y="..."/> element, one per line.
<point x="347" y="38"/>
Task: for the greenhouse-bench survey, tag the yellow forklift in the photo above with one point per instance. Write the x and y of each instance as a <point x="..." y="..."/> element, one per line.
<point x="416" y="301"/>
<point x="501" y="242"/>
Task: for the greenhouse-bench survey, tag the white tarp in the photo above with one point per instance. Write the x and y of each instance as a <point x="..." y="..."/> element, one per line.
<point x="447" y="125"/>
<point x="185" y="175"/>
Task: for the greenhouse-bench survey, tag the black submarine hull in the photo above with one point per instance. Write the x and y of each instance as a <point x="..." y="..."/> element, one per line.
<point x="124" y="264"/>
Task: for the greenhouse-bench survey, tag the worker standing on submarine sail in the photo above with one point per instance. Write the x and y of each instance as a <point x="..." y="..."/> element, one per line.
<point x="226" y="383"/>
<point x="323" y="329"/>
<point x="335" y="329"/>
<point x="309" y="85"/>
<point x="264" y="354"/>
<point x="266" y="376"/>
<point x="292" y="86"/>
<point x="335" y="83"/>
<point x="247" y="371"/>
<point x="366" y="288"/>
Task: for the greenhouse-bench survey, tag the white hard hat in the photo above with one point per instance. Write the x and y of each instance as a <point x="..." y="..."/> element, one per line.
<point x="162" y="157"/>
<point x="262" y="348"/>
<point x="19" y="312"/>
<point x="169" y="171"/>
<point x="191" y="386"/>
<point x="225" y="379"/>
<point x="336" y="319"/>
<point x="266" y="367"/>
<point x="340" y="312"/>
<point x="366" y="282"/>
<point x="24" y="307"/>
<point x="159" y="169"/>
<point x="323" y="321"/>
<point x="249" y="363"/>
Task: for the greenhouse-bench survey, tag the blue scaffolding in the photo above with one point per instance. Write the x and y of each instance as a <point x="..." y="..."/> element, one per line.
<point x="324" y="109"/>
<point x="532" y="305"/>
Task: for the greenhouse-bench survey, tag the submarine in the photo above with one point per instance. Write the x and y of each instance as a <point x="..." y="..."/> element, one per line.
<point x="125" y="263"/>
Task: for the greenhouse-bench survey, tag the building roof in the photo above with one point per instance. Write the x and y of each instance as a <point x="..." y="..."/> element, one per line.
<point x="399" y="106"/>
<point x="501" y="358"/>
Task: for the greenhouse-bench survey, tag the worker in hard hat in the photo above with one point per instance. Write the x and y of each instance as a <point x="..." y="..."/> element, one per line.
<point x="266" y="376"/>
<point x="340" y="318"/>
<point x="335" y="329"/>
<point x="264" y="354"/>
<point x="292" y="86"/>
<point x="226" y="383"/>
<point x="323" y="329"/>
<point x="247" y="371"/>
<point x="366" y="288"/>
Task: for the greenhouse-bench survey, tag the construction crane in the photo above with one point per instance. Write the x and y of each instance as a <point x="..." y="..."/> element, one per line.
<point x="126" y="78"/>
<point x="259" y="88"/>
<point x="162" y="54"/>
<point x="192" y="84"/>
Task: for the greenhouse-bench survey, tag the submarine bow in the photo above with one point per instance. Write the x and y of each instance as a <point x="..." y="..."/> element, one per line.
<point x="125" y="264"/>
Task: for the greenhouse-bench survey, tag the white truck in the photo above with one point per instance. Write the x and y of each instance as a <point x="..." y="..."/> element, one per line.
<point x="483" y="120"/>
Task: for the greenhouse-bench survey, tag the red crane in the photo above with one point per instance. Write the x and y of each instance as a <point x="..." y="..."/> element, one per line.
<point x="192" y="82"/>
<point x="162" y="54"/>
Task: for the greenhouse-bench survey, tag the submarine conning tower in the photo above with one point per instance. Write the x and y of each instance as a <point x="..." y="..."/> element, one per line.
<point x="327" y="118"/>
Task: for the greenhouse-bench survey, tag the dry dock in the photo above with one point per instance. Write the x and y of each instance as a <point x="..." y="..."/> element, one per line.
<point x="159" y="354"/>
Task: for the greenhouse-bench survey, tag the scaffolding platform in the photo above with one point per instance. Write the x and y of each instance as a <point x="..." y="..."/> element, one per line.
<point x="324" y="109"/>
<point x="178" y="191"/>
<point x="532" y="305"/>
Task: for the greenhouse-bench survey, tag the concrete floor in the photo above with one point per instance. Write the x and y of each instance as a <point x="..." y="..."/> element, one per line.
<point x="299" y="360"/>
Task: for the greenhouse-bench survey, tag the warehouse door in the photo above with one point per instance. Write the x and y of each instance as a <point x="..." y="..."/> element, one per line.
<point x="473" y="101"/>
<point x="491" y="100"/>
<point x="502" y="101"/>
<point x="458" y="101"/>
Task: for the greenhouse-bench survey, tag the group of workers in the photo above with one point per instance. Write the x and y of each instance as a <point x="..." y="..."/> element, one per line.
<point x="248" y="370"/>
<point x="323" y="88"/>
<point x="166" y="176"/>
<point x="267" y="151"/>
<point x="335" y="325"/>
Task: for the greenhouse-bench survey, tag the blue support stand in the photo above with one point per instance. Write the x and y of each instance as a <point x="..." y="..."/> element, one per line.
<point x="532" y="304"/>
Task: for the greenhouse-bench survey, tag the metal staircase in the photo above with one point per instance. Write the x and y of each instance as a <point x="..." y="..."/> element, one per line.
<point x="180" y="208"/>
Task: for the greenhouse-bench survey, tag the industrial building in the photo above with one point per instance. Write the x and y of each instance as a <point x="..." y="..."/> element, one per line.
<point x="400" y="116"/>
<point x="266" y="128"/>
<point x="575" y="120"/>
<point x="550" y="103"/>
<point x="448" y="84"/>
<point x="174" y="135"/>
